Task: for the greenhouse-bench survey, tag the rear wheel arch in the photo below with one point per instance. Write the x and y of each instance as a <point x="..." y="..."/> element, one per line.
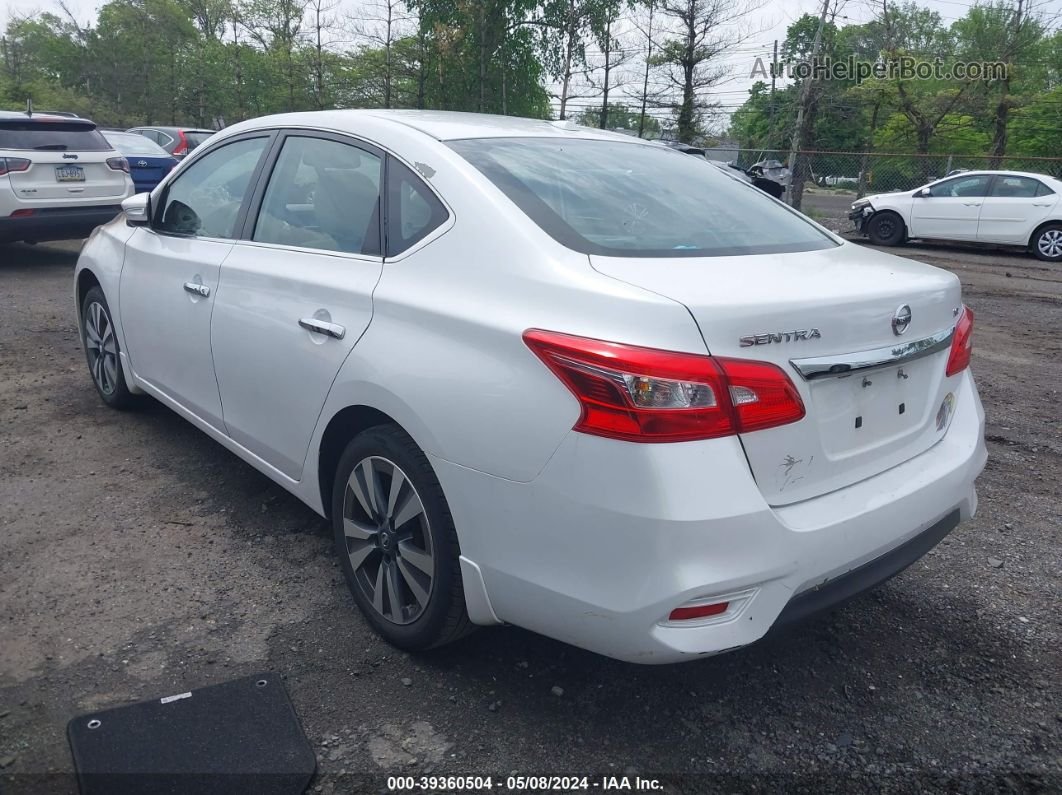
<point x="344" y="426"/>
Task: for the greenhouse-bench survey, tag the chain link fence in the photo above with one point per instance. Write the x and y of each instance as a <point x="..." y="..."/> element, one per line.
<point x="860" y="173"/>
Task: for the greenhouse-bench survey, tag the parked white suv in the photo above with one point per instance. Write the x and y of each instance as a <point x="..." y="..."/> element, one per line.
<point x="59" y="178"/>
<point x="545" y="375"/>
<point x="1002" y="207"/>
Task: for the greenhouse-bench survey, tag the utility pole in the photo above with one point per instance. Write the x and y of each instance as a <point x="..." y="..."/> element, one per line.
<point x="774" y="76"/>
<point x="805" y="96"/>
<point x="645" y="82"/>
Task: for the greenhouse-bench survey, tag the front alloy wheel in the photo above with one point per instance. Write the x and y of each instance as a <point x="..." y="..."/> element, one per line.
<point x="388" y="540"/>
<point x="101" y="347"/>
<point x="102" y="351"/>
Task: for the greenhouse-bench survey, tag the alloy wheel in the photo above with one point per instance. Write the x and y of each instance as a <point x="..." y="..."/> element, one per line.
<point x="102" y="348"/>
<point x="388" y="540"/>
<point x="1050" y="243"/>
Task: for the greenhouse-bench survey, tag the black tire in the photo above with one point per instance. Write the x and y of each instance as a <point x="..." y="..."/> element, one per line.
<point x="886" y="229"/>
<point x="1047" y="243"/>
<point x="385" y="560"/>
<point x="102" y="352"/>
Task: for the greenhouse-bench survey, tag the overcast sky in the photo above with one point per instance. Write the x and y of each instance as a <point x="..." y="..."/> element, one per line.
<point x="768" y="23"/>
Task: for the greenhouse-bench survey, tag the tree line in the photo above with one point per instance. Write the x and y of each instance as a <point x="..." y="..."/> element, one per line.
<point x="650" y="66"/>
<point x="1016" y="114"/>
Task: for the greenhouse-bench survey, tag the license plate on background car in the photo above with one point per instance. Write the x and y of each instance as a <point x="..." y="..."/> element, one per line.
<point x="69" y="174"/>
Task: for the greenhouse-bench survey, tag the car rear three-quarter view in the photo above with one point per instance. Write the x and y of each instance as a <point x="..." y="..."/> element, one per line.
<point x="542" y="375"/>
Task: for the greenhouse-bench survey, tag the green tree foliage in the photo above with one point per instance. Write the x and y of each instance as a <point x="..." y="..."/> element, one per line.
<point x="1020" y="115"/>
<point x="620" y="117"/>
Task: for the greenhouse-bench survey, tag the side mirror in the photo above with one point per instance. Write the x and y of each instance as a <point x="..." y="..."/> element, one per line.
<point x="924" y="193"/>
<point x="137" y="209"/>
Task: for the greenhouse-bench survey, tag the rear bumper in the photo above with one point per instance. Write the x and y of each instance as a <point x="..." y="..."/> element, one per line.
<point x="57" y="223"/>
<point x="611" y="537"/>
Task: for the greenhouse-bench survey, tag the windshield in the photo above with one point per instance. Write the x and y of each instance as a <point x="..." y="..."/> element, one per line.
<point x="637" y="200"/>
<point x="133" y="144"/>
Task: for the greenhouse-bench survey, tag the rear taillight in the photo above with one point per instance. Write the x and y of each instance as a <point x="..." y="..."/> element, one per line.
<point x="961" y="343"/>
<point x="118" y="164"/>
<point x="182" y="145"/>
<point x="648" y="395"/>
<point x="9" y="165"/>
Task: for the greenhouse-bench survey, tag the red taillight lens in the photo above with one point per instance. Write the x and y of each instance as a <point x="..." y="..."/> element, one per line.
<point x="24" y="212"/>
<point x="9" y="165"/>
<point x="182" y="145"/>
<point x="118" y="164"/>
<point x="648" y="395"/>
<point x="961" y="343"/>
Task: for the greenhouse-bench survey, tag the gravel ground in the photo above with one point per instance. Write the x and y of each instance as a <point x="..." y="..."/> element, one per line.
<point x="139" y="559"/>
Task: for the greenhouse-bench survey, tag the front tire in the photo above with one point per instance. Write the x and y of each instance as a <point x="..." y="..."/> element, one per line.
<point x="396" y="541"/>
<point x="1047" y="243"/>
<point x="886" y="229"/>
<point x="102" y="351"/>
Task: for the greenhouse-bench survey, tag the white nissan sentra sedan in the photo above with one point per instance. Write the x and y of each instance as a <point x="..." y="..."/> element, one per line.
<point x="544" y="375"/>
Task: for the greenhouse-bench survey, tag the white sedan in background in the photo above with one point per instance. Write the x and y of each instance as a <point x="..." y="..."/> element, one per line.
<point x="1002" y="207"/>
<point x="541" y="374"/>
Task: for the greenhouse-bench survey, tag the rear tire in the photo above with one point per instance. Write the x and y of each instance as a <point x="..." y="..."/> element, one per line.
<point x="886" y="229"/>
<point x="103" y="353"/>
<point x="1047" y="243"/>
<point x="396" y="541"/>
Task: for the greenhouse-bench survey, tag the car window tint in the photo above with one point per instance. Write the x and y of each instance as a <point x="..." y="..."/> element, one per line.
<point x="1015" y="187"/>
<point x="413" y="211"/>
<point x="1043" y="190"/>
<point x="976" y="185"/>
<point x="637" y="199"/>
<point x="51" y="135"/>
<point x="322" y="194"/>
<point x="205" y="199"/>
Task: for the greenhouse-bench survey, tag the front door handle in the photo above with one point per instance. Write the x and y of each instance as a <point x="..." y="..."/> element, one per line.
<point x="323" y="327"/>
<point x="971" y="204"/>
<point x="196" y="289"/>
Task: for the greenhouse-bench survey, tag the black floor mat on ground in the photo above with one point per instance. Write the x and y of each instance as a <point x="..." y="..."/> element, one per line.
<point x="233" y="738"/>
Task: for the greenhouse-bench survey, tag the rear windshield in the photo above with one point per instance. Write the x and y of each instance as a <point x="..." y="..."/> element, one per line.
<point x="195" y="138"/>
<point x="637" y="200"/>
<point x="59" y="136"/>
<point x="133" y="144"/>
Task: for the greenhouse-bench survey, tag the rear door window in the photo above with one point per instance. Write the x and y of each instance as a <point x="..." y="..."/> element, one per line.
<point x="1015" y="187"/>
<point x="57" y="136"/>
<point x="322" y="194"/>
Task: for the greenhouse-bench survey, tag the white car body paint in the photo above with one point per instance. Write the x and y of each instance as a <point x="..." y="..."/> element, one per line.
<point x="1007" y="220"/>
<point x="590" y="540"/>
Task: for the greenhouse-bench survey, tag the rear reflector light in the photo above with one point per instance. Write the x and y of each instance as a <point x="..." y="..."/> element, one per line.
<point x="9" y="165"/>
<point x="961" y="343"/>
<point x="24" y="212"/>
<point x="698" y="611"/>
<point x="648" y="395"/>
<point x="118" y="164"/>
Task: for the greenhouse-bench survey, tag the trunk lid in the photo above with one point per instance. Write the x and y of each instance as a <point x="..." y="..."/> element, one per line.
<point x="843" y="299"/>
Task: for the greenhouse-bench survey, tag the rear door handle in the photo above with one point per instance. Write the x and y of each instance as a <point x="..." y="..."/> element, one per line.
<point x="196" y="289"/>
<point x="1038" y="204"/>
<point x="323" y="327"/>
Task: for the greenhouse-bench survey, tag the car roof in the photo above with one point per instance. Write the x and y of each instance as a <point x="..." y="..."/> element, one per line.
<point x="21" y="116"/>
<point x="441" y="125"/>
<point x="1000" y="173"/>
